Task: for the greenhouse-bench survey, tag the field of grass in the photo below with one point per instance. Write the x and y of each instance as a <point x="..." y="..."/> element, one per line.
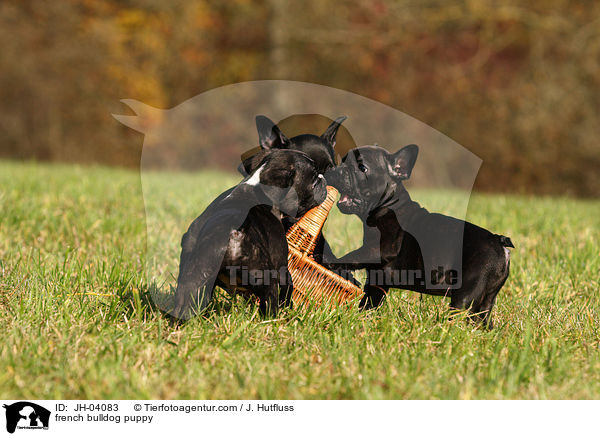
<point x="76" y="320"/>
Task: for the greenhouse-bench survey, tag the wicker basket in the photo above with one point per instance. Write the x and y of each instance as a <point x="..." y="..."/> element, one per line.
<point x="313" y="283"/>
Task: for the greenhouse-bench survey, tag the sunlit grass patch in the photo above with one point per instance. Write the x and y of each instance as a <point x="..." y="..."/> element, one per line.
<point x="77" y="319"/>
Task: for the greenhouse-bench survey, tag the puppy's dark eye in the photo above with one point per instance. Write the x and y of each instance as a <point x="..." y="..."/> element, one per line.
<point x="363" y="168"/>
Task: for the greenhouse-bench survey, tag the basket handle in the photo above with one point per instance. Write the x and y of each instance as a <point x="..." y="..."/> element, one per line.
<point x="303" y="235"/>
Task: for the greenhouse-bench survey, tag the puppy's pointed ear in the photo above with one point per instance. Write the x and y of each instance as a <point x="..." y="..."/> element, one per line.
<point x="403" y="161"/>
<point x="269" y="135"/>
<point x="331" y="132"/>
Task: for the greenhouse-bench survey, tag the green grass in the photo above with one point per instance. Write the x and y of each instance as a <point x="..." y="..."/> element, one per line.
<point x="67" y="231"/>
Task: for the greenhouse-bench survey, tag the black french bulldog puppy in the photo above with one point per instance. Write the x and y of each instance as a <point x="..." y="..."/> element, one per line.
<point x="321" y="150"/>
<point x="407" y="247"/>
<point x="239" y="244"/>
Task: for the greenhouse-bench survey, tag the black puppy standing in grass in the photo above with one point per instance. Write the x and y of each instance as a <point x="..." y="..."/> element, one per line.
<point x="402" y="237"/>
<point x="242" y="230"/>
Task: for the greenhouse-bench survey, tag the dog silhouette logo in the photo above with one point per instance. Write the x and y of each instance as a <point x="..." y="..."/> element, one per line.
<point x="26" y="415"/>
<point x="212" y="129"/>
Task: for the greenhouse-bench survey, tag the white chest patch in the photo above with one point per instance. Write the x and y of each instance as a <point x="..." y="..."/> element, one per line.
<point x="255" y="179"/>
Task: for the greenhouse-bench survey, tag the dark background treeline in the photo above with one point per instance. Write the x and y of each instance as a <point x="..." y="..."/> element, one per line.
<point x="517" y="83"/>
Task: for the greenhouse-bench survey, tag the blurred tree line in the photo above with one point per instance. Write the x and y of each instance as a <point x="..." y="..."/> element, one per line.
<point x="517" y="83"/>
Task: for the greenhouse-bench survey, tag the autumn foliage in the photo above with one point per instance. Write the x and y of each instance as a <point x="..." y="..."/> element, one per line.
<point x="517" y="83"/>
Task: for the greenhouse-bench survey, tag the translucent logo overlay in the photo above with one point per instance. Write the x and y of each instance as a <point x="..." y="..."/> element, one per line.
<point x="203" y="141"/>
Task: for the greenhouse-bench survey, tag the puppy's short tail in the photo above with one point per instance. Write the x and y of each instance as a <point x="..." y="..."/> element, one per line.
<point x="505" y="241"/>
